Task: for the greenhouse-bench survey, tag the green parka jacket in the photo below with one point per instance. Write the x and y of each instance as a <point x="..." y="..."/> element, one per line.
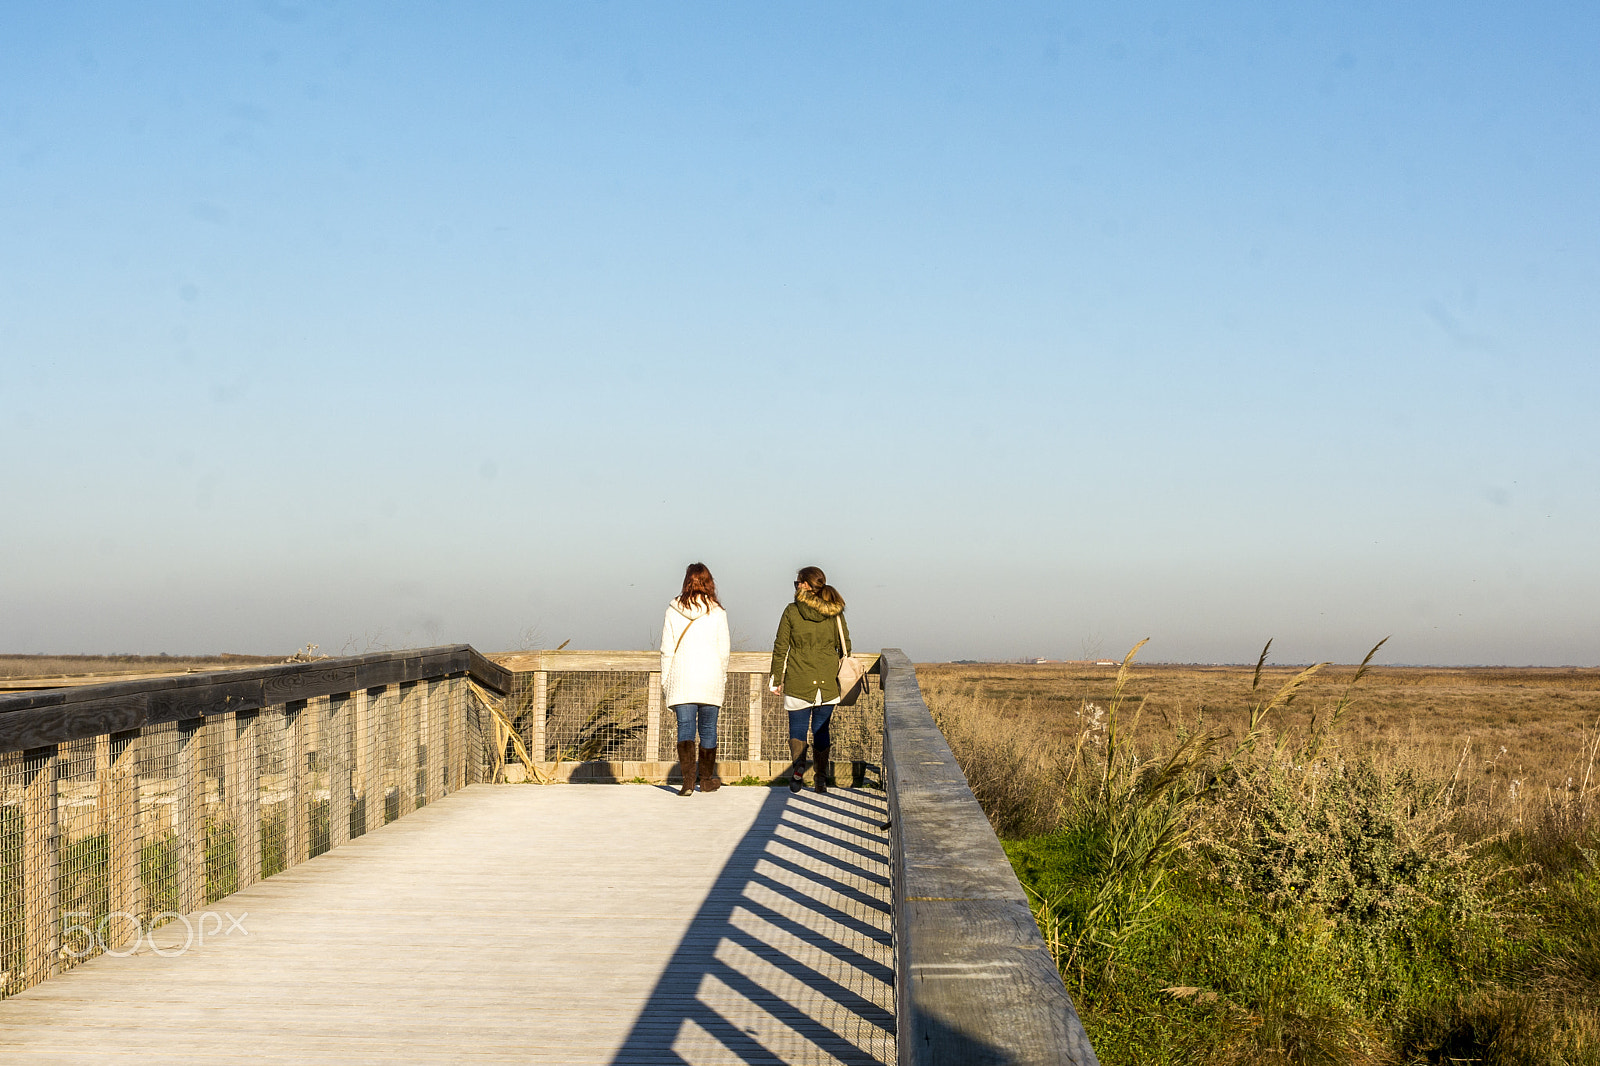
<point x="807" y="650"/>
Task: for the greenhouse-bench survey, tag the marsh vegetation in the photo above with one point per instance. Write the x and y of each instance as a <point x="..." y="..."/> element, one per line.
<point x="1287" y="865"/>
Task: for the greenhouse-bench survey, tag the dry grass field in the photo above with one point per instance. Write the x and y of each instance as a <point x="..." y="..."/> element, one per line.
<point x="1535" y="726"/>
<point x="74" y="666"/>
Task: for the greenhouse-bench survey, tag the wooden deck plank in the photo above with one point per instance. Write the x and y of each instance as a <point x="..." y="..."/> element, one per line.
<point x="562" y="924"/>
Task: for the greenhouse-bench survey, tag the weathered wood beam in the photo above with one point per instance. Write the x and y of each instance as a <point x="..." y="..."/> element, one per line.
<point x="960" y="912"/>
<point x="39" y="719"/>
<point x="739" y="662"/>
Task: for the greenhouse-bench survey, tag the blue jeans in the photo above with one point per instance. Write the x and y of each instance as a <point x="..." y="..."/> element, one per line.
<point x="817" y="718"/>
<point x="706" y="713"/>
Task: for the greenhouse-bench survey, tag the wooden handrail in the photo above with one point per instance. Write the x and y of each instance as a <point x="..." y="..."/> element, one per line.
<point x="739" y="662"/>
<point x="40" y="719"/>
<point x="974" y="982"/>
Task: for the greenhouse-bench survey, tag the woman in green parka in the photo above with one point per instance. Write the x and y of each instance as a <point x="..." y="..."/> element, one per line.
<point x="812" y="638"/>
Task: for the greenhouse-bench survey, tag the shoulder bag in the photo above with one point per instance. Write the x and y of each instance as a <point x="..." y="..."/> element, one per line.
<point x="685" y="632"/>
<point x="852" y="668"/>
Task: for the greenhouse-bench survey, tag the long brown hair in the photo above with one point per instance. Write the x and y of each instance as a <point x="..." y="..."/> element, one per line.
<point x="698" y="587"/>
<point x="816" y="581"/>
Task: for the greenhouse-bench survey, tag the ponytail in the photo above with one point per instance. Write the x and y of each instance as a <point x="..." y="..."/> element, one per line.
<point x="816" y="582"/>
<point x="830" y="596"/>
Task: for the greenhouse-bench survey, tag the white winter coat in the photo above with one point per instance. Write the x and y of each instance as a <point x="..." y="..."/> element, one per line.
<point x="694" y="654"/>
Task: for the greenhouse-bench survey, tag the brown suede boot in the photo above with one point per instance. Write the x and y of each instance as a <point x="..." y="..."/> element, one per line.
<point x="709" y="781"/>
<point x="823" y="766"/>
<point x="686" y="766"/>
<point x="797" y="768"/>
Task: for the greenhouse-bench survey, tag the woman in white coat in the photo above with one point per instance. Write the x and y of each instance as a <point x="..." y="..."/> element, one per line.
<point x="694" y="674"/>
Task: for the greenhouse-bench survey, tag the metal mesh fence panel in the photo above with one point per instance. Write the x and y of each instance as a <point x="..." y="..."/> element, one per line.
<point x="243" y="796"/>
<point x="387" y="721"/>
<point x="667" y="735"/>
<point x="857" y="730"/>
<point x="441" y="753"/>
<point x="733" y="722"/>
<point x="423" y="744"/>
<point x="479" y="734"/>
<point x="220" y="842"/>
<point x="774" y="726"/>
<point x="595" y="714"/>
<point x="453" y="732"/>
<point x="164" y="753"/>
<point x="27" y="926"/>
<point x="375" y="772"/>
<point x="528" y="716"/>
<point x="403" y="746"/>
<point x="314" y="775"/>
<point x="366" y="783"/>
<point x="13" y="886"/>
<point x="83" y="852"/>
<point x="275" y="791"/>
<point x="337" y="729"/>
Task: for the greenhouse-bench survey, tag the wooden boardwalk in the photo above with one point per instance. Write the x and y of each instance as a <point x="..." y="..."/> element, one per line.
<point x="560" y="924"/>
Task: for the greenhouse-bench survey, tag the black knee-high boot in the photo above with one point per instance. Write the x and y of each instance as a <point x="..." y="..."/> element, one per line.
<point x="797" y="768"/>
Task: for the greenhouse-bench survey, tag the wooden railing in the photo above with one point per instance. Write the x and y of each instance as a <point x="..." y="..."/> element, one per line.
<point x="599" y="716"/>
<point x="974" y="982"/>
<point x="128" y="804"/>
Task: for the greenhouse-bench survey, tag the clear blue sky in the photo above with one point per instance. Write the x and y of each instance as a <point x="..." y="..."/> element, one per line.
<point x="1042" y="328"/>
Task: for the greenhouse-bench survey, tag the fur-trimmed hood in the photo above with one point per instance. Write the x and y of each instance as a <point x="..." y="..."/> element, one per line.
<point x="811" y="605"/>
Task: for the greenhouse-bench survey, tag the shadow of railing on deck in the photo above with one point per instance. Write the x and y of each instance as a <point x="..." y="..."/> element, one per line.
<point x="789" y="959"/>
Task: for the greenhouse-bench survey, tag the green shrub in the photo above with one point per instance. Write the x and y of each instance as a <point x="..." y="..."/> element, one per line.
<point x="158" y="873"/>
<point x="1368" y="846"/>
<point x="222" y="860"/>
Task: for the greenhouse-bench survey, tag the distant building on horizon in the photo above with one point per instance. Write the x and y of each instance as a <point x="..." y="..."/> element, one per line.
<point x="1039" y="661"/>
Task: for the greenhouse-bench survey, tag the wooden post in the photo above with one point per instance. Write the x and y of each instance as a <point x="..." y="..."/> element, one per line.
<point x="40" y="873"/>
<point x="188" y="820"/>
<point x="336" y="756"/>
<point x="383" y="707"/>
<point x="366" y="794"/>
<point x="652" y="729"/>
<point x="540" y="711"/>
<point x="119" y="798"/>
<point x="419" y="721"/>
<point x="461" y="707"/>
<point x="456" y="692"/>
<point x="426" y="756"/>
<point x="225" y="730"/>
<point x="297" y="846"/>
<point x="438" y="737"/>
<point x="316" y="767"/>
<point x="406" y="735"/>
<point x="104" y="798"/>
<point x="480" y="767"/>
<point x="758" y="688"/>
<point x="244" y="782"/>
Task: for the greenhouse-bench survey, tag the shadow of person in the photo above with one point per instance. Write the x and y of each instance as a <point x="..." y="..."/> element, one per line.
<point x="789" y="958"/>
